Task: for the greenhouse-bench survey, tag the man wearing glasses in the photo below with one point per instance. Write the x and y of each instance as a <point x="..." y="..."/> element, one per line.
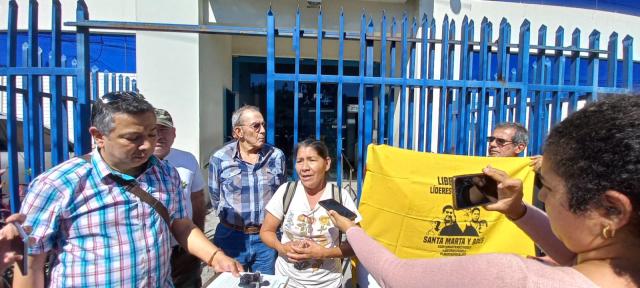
<point x="109" y="215"/>
<point x="508" y="140"/>
<point x="243" y="175"/>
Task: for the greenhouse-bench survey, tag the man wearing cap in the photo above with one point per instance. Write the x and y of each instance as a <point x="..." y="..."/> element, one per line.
<point x="185" y="268"/>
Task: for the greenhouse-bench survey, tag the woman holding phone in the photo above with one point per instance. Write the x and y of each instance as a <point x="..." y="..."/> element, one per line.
<point x="310" y="252"/>
<point x="591" y="189"/>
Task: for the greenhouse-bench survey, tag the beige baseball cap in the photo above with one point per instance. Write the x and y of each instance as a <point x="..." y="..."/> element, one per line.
<point x="163" y="118"/>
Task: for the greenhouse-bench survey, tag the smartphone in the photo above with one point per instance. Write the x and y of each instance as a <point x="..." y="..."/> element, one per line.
<point x="331" y="204"/>
<point x="473" y="190"/>
<point x="21" y="247"/>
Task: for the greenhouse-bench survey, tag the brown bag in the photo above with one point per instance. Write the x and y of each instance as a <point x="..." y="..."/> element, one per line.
<point x="133" y="187"/>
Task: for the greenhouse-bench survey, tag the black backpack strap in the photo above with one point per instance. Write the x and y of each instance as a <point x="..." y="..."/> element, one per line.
<point x="336" y="194"/>
<point x="288" y="196"/>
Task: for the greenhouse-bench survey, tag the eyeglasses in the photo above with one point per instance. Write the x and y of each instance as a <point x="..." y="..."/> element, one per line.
<point x="501" y="142"/>
<point x="255" y="126"/>
<point x="113" y="97"/>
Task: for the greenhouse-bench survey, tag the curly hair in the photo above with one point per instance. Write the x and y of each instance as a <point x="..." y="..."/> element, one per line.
<point x="597" y="149"/>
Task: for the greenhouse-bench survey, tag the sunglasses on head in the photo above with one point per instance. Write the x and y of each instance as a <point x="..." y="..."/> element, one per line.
<point x="499" y="141"/>
<point x="255" y="125"/>
<point x="118" y="96"/>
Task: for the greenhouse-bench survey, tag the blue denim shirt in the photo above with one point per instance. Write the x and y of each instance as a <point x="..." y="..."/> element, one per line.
<point x="240" y="190"/>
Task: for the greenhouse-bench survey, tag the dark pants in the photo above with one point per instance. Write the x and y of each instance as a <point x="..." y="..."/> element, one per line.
<point x="185" y="269"/>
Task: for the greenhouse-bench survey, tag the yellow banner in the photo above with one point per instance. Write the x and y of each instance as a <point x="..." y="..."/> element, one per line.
<point x="405" y="205"/>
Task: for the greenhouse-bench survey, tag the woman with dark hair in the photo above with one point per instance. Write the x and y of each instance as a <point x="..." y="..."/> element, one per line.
<point x="591" y="189"/>
<point x="310" y="250"/>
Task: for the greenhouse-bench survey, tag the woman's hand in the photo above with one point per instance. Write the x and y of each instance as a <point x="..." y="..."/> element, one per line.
<point x="306" y="250"/>
<point x="342" y="223"/>
<point x="287" y="248"/>
<point x="509" y="194"/>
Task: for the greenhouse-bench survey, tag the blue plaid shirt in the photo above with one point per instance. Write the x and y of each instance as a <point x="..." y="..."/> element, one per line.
<point x="239" y="190"/>
<point x="103" y="235"/>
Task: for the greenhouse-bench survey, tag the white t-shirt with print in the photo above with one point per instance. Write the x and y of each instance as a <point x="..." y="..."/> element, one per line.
<point x="190" y="174"/>
<point x="302" y="222"/>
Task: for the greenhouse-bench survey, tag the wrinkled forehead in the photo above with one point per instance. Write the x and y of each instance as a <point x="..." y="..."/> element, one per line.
<point x="504" y="133"/>
<point x="251" y="116"/>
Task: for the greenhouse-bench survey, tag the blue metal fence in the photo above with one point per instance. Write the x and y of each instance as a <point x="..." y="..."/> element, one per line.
<point x="455" y="109"/>
<point x="60" y="72"/>
<point x="532" y="93"/>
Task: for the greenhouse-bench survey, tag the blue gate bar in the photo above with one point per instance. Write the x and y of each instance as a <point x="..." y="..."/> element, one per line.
<point x="368" y="90"/>
<point x="612" y="60"/>
<point x="382" y="97"/>
<point x="423" y="76"/>
<point x="430" y="75"/>
<point x="82" y="143"/>
<point x="556" y="114"/>
<point x="392" y="89"/>
<point x="523" y="71"/>
<point x="319" y="72"/>
<point x="411" y="95"/>
<point x="12" y="129"/>
<point x="462" y="137"/>
<point x="449" y="91"/>
<point x="55" y="86"/>
<point x="65" y="112"/>
<point x="361" y="70"/>
<point x="271" y="69"/>
<point x="340" y="105"/>
<point x="627" y="64"/>
<point x="35" y="151"/>
<point x="403" y="89"/>
<point x="296" y="90"/>
<point x="483" y="96"/>
<point x="594" y="63"/>
<point x="503" y="66"/>
<point x="575" y="71"/>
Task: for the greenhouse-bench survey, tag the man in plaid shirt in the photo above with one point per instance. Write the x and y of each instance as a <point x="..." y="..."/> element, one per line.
<point x="102" y="234"/>
<point x="243" y="175"/>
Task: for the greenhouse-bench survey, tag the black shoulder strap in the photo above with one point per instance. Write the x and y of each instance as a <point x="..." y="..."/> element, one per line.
<point x="336" y="194"/>
<point x="134" y="189"/>
<point x="288" y="196"/>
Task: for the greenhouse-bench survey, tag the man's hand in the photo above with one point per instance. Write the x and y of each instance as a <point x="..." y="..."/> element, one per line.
<point x="224" y="263"/>
<point x="509" y="194"/>
<point x="8" y="234"/>
<point x="341" y="222"/>
<point x="536" y="163"/>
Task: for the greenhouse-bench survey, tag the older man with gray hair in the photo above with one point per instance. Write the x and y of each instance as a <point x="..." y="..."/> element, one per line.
<point x="508" y="140"/>
<point x="243" y="176"/>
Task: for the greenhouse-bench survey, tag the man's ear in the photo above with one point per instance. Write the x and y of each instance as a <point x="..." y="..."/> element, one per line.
<point x="617" y="209"/>
<point x="520" y="147"/>
<point x="97" y="136"/>
<point x="237" y="131"/>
